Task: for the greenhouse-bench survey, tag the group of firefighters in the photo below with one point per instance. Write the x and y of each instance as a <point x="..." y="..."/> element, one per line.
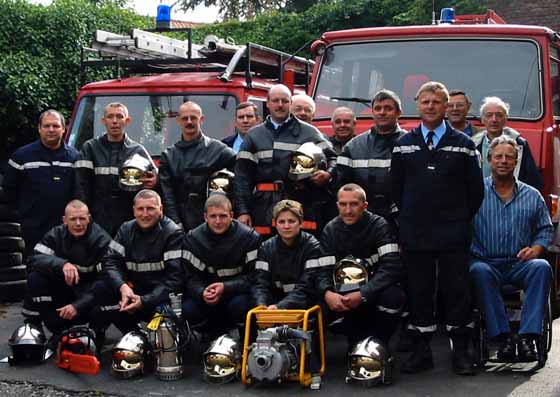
<point x="282" y="216"/>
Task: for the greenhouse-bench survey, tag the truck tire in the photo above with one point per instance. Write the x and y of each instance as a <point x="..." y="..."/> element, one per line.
<point x="8" y="214"/>
<point x="12" y="291"/>
<point x="10" y="259"/>
<point x="12" y="244"/>
<point x="11" y="229"/>
<point x="13" y="273"/>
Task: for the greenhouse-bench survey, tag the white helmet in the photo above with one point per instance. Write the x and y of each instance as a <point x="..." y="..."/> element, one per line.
<point x="130" y="355"/>
<point x="306" y="160"/>
<point x="222" y="360"/>
<point x="369" y="363"/>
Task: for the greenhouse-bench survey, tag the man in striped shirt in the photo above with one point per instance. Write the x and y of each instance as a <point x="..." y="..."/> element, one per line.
<point x="510" y="232"/>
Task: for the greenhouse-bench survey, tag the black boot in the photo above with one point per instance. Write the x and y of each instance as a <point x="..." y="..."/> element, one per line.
<point x="421" y="358"/>
<point x="462" y="361"/>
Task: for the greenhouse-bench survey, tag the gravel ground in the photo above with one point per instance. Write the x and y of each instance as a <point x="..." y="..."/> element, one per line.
<point x="19" y="389"/>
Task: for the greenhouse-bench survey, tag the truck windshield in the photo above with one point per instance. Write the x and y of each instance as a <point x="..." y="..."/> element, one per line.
<point x="153" y="118"/>
<point x="351" y="74"/>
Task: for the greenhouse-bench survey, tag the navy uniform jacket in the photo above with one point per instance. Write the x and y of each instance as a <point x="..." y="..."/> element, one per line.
<point x="39" y="182"/>
<point x="437" y="191"/>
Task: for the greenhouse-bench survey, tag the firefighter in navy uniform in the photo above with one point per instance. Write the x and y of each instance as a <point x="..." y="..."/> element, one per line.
<point x="99" y="166"/>
<point x="438" y="188"/>
<point x="373" y="306"/>
<point x="366" y="159"/>
<point x="143" y="264"/>
<point x="64" y="267"/>
<point x="39" y="181"/>
<point x="263" y="163"/>
<point x="219" y="255"/>
<point x="284" y="275"/>
<point x="186" y="167"/>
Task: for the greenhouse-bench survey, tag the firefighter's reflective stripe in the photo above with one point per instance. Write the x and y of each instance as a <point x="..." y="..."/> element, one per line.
<point x="15" y="165"/>
<point x="387" y="310"/>
<point x="323" y="145"/>
<point x="320" y="262"/>
<point x="388" y="249"/>
<point x="43" y="249"/>
<point x="193" y="260"/>
<point x="145" y="266"/>
<point x="406" y="149"/>
<point x="429" y="328"/>
<point x="229" y="272"/>
<point x="172" y="255"/>
<point x="372" y="260"/>
<point x="109" y="308"/>
<point x="39" y="299"/>
<point x="106" y="171"/>
<point x="247" y="156"/>
<point x="458" y="149"/>
<point x="364" y="163"/>
<point x="117" y="247"/>
<point x="264" y="154"/>
<point x="286" y="146"/>
<point x="262" y="265"/>
<point x="449" y="328"/>
<point x="84" y="164"/>
<point x="285" y="287"/>
<point x="251" y="256"/>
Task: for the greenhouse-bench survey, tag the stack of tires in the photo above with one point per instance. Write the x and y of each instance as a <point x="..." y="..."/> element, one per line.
<point x="12" y="268"/>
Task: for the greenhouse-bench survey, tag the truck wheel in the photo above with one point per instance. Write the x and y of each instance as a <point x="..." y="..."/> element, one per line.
<point x="10" y="229"/>
<point x="10" y="259"/>
<point x="13" y="273"/>
<point x="11" y="244"/>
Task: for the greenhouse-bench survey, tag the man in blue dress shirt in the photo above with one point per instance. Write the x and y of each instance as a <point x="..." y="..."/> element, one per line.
<point x="246" y="116"/>
<point x="510" y="232"/>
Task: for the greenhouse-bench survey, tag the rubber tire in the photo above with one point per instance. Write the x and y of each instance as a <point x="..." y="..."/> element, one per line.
<point x="12" y="244"/>
<point x="10" y="259"/>
<point x="8" y="214"/>
<point x="11" y="229"/>
<point x="13" y="273"/>
<point x="12" y="291"/>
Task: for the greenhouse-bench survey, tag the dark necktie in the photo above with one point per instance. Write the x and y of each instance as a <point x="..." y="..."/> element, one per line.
<point x="430" y="140"/>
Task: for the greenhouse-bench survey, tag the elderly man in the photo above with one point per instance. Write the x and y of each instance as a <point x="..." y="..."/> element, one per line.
<point x="64" y="267"/>
<point x="263" y="164"/>
<point x="458" y="109"/>
<point x="366" y="159"/>
<point x="303" y="107"/>
<point x="437" y="186"/>
<point x="494" y="113"/>
<point x="143" y="264"/>
<point x="219" y="255"/>
<point x="343" y="122"/>
<point x="374" y="308"/>
<point x="510" y="232"/>
<point x="99" y="166"/>
<point x="186" y="167"/>
<point x="246" y="117"/>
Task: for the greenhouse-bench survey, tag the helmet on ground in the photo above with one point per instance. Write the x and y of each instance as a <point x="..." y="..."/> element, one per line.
<point x="220" y="182"/>
<point x="306" y="160"/>
<point x="222" y="360"/>
<point x="132" y="170"/>
<point x="349" y="274"/>
<point x="130" y="355"/>
<point x="28" y="344"/>
<point x="369" y="363"/>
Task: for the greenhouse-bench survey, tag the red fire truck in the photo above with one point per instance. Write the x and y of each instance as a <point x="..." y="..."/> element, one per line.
<point x="479" y="54"/>
<point x="156" y="74"/>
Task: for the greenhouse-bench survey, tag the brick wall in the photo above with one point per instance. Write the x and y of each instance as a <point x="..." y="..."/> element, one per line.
<point x="535" y="12"/>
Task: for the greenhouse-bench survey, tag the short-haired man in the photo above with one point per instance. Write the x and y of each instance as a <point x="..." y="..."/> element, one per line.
<point x="437" y="186"/>
<point x="303" y="107"/>
<point x="40" y="179"/>
<point x="510" y="232"/>
<point x="458" y="108"/>
<point x="143" y="264"/>
<point x="246" y="117"/>
<point x="263" y="163"/>
<point x="186" y="167"/>
<point x="99" y="166"/>
<point x="64" y="267"/>
<point x="219" y="255"/>
<point x="374" y="309"/>
<point x="343" y="121"/>
<point x="494" y="113"/>
<point x="366" y="159"/>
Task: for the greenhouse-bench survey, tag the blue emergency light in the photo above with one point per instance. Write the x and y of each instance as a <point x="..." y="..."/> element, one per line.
<point x="163" y="17"/>
<point x="447" y="15"/>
